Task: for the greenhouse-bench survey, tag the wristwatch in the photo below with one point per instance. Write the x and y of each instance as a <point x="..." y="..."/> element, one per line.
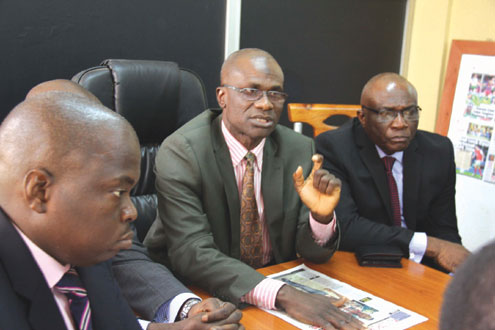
<point x="186" y="307"/>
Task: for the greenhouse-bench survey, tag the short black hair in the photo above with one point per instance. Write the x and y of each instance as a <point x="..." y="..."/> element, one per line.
<point x="469" y="300"/>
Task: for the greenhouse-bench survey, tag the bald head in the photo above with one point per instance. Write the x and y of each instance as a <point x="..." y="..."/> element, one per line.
<point x="47" y="129"/>
<point x="388" y="83"/>
<point x="260" y="59"/>
<point x="61" y="85"/>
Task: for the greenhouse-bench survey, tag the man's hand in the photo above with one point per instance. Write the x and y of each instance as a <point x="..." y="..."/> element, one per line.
<point x="315" y="309"/>
<point x="210" y="314"/>
<point x="447" y="254"/>
<point x="320" y="192"/>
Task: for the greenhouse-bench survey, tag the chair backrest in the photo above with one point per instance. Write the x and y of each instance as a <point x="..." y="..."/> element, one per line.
<point x="316" y="114"/>
<point x="156" y="97"/>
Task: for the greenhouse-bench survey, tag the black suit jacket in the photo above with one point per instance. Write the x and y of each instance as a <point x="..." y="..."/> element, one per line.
<point x="364" y="209"/>
<point x="27" y="302"/>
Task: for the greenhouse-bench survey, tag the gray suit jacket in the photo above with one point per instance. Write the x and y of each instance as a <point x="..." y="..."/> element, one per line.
<point x="198" y="228"/>
<point x="145" y="284"/>
<point x="364" y="209"/>
<point x="27" y="302"/>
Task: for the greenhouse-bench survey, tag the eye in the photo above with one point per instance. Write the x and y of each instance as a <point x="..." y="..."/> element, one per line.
<point x="250" y="92"/>
<point x="118" y="193"/>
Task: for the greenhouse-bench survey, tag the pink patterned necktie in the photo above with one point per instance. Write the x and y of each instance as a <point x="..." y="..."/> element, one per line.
<point x="251" y="235"/>
<point x="76" y="294"/>
<point x="392" y="187"/>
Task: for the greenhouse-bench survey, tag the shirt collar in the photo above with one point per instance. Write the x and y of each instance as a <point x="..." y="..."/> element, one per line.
<point x="397" y="155"/>
<point x="51" y="269"/>
<point x="238" y="151"/>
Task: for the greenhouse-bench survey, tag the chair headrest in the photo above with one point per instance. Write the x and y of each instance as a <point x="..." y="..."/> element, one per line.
<point x="146" y="93"/>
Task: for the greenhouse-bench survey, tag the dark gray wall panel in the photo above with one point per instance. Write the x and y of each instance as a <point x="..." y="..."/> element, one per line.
<point x="42" y="40"/>
<point x="327" y="48"/>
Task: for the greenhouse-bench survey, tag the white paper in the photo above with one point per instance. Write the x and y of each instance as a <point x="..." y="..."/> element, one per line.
<point x="374" y="312"/>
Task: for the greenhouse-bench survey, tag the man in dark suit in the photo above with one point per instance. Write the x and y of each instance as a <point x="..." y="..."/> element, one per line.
<point x="207" y="169"/>
<point x="422" y="220"/>
<point x="67" y="165"/>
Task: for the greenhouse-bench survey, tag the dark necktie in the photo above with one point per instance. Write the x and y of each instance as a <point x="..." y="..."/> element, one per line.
<point x="392" y="187"/>
<point x="251" y="236"/>
<point x="76" y="294"/>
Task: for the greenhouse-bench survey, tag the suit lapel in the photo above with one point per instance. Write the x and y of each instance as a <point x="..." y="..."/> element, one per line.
<point x="413" y="160"/>
<point x="27" y="279"/>
<point x="375" y="166"/>
<point x="107" y="306"/>
<point x="272" y="183"/>
<point x="226" y="170"/>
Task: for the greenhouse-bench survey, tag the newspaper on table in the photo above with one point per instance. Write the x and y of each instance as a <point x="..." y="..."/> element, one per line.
<point x="374" y="312"/>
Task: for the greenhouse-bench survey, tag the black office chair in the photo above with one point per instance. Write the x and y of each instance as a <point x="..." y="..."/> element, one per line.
<point x="156" y="97"/>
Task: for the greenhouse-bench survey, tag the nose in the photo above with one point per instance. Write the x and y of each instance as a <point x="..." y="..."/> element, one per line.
<point x="399" y="121"/>
<point x="129" y="211"/>
<point x="264" y="102"/>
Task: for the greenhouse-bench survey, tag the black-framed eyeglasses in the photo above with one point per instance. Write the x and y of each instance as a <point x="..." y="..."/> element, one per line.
<point x="410" y="114"/>
<point x="254" y="94"/>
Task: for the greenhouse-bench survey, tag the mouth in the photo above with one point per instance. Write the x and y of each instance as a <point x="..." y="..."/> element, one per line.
<point x="262" y="121"/>
<point x="126" y="239"/>
<point x="399" y="139"/>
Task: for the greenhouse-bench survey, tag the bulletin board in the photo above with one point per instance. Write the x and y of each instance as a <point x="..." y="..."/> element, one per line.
<point x="467" y="117"/>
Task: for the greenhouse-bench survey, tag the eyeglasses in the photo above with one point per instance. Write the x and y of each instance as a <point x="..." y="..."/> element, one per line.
<point x="410" y="114"/>
<point x="254" y="94"/>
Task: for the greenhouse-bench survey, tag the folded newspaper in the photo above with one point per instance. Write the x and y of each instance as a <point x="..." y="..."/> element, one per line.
<point x="374" y="312"/>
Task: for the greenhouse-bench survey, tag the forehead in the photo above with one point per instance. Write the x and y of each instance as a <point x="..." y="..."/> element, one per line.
<point x="254" y="70"/>
<point x="391" y="94"/>
<point x="108" y="158"/>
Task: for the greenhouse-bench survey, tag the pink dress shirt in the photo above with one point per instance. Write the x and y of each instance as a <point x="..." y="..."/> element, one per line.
<point x="53" y="271"/>
<point x="265" y="293"/>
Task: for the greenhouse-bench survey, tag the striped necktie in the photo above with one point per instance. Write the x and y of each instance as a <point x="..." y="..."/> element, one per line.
<point x="251" y="234"/>
<point x="76" y="294"/>
<point x="392" y="186"/>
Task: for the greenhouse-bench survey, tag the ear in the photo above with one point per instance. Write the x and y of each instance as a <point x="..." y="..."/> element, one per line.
<point x="362" y="117"/>
<point x="221" y="97"/>
<point x="36" y="189"/>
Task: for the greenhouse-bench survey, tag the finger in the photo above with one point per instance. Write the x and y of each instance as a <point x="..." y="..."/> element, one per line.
<point x="298" y="178"/>
<point x="233" y="318"/>
<point x="334" y="186"/>
<point x="221" y="313"/>
<point x="321" y="180"/>
<point x="317" y="162"/>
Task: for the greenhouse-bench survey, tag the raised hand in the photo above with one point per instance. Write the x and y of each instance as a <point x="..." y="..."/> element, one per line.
<point x="320" y="192"/>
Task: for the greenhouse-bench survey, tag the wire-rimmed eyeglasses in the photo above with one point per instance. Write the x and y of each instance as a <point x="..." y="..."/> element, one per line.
<point x="410" y="114"/>
<point x="254" y="94"/>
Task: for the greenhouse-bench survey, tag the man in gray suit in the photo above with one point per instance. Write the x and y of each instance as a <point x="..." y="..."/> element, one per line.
<point x="210" y="171"/>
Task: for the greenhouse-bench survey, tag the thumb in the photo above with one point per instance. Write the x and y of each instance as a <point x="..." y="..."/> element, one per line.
<point x="298" y="178"/>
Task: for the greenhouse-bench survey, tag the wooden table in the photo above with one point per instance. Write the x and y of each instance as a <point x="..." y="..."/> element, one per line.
<point x="415" y="287"/>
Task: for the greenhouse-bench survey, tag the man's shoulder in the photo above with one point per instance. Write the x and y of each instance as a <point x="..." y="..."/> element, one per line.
<point x="202" y="121"/>
<point x="288" y="136"/>
<point x="432" y="141"/>
<point x="343" y="133"/>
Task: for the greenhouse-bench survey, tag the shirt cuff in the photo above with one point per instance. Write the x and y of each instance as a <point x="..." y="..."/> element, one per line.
<point x="417" y="247"/>
<point x="167" y="313"/>
<point x="144" y="324"/>
<point x="264" y="294"/>
<point x="322" y="233"/>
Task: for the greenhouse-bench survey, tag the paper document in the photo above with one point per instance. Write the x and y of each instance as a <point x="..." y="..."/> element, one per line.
<point x="374" y="312"/>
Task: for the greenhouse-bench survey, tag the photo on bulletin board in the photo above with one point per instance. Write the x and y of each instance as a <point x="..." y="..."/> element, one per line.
<point x="467" y="111"/>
